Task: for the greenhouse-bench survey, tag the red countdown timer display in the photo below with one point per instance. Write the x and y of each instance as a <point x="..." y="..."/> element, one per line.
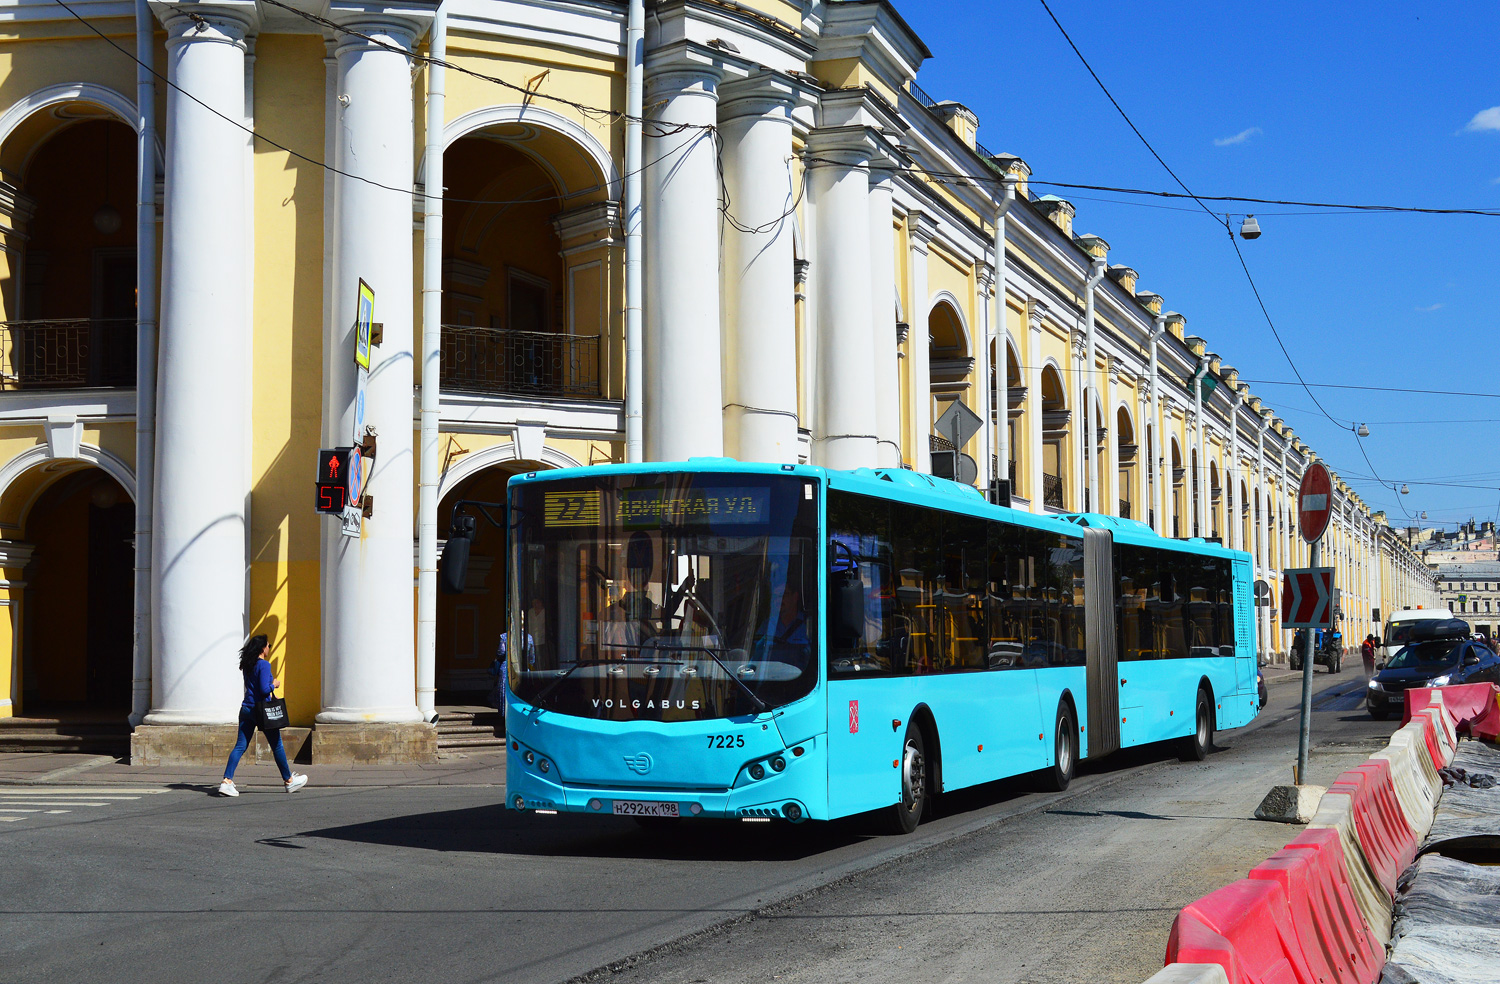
<point x="333" y="480"/>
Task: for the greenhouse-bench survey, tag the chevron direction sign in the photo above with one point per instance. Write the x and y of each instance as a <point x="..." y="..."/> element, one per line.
<point x="1307" y="598"/>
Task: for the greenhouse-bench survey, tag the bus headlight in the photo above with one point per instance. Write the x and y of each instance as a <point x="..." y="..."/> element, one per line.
<point x="544" y="765"/>
<point x="757" y="772"/>
<point x="778" y="763"/>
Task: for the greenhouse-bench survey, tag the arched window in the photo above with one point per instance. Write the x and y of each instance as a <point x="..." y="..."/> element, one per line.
<point x="1055" y="415"/>
<point x="1125" y="450"/>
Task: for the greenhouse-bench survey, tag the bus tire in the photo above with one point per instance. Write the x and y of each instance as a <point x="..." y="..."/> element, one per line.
<point x="1065" y="751"/>
<point x="903" y="816"/>
<point x="1196" y="745"/>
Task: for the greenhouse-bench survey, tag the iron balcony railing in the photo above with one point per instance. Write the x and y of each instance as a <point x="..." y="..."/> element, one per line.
<point x="1052" y="490"/>
<point x="527" y="363"/>
<point x="62" y="353"/>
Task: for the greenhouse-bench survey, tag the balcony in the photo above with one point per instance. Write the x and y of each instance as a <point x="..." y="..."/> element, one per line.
<point x="67" y="353"/>
<point x="519" y="363"/>
<point x="1052" y="492"/>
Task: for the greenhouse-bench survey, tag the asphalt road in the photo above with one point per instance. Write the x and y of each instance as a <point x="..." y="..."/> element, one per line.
<point x="441" y="883"/>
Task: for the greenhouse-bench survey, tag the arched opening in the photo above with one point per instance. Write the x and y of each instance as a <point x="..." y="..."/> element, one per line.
<point x="77" y="612"/>
<point x="1152" y="473"/>
<point x="949" y="364"/>
<point x="1125" y="450"/>
<point x="1014" y="401"/>
<point x="1215" y="499"/>
<point x="1179" y="474"/>
<point x="469" y="624"/>
<point x="1055" y="415"/>
<point x="1245" y="539"/>
<point x="69" y="268"/>
<point x="527" y="265"/>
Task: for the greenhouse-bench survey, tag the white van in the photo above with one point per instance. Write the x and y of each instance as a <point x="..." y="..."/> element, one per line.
<point x="1398" y="629"/>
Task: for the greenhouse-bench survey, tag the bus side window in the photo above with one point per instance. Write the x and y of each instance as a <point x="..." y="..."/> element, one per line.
<point x="860" y="633"/>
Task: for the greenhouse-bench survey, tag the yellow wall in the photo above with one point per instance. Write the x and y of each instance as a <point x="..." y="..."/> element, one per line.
<point x="288" y="367"/>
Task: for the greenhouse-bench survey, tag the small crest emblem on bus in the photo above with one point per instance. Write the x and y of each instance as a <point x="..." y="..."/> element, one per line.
<point x="853" y="717"/>
<point x="640" y="763"/>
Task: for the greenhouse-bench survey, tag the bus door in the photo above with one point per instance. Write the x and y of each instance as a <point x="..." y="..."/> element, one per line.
<point x="1102" y="724"/>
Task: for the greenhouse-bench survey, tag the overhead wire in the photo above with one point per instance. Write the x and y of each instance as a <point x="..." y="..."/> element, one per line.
<point x="1228" y="228"/>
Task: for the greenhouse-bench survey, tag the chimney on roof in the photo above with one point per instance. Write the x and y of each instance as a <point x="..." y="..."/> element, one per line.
<point x="1124" y="276"/>
<point x="1093" y="245"/>
<point x="1151" y="302"/>
<point x="960" y="119"/>
<point x="1011" y="164"/>
<point x="1059" y="210"/>
<point x="1176" y="324"/>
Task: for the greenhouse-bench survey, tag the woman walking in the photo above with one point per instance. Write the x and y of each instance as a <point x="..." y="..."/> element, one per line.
<point x="260" y="684"/>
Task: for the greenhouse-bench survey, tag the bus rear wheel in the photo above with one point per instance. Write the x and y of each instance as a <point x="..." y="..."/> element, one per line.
<point x="1065" y="752"/>
<point x="1195" y="746"/>
<point x="903" y="816"/>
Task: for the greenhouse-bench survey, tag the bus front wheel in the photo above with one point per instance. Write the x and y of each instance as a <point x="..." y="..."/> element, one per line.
<point x="1065" y="754"/>
<point x="903" y="816"/>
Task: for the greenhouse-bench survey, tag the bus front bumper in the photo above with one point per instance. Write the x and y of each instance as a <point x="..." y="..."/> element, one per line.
<point x="783" y="796"/>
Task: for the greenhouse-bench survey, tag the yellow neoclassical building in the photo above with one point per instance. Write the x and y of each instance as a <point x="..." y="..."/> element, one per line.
<point x="593" y="231"/>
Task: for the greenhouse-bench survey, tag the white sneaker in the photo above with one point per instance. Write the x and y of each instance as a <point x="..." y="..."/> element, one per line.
<point x="296" y="782"/>
<point x="226" y="788"/>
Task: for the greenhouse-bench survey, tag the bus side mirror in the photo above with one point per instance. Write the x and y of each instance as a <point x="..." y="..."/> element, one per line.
<point x="453" y="566"/>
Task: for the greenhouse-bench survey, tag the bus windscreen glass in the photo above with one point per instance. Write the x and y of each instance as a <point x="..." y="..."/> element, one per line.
<point x="666" y="597"/>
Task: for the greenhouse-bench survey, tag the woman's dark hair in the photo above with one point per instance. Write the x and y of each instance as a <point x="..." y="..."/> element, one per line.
<point x="250" y="652"/>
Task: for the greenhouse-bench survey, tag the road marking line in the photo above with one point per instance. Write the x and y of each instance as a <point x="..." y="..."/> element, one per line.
<point x="54" y="803"/>
<point x="79" y="791"/>
<point x="59" y="811"/>
<point x="10" y="819"/>
<point x="9" y="809"/>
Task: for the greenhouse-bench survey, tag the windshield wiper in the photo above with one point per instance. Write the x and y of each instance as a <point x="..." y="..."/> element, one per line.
<point x="689" y="594"/>
<point x="552" y="684"/>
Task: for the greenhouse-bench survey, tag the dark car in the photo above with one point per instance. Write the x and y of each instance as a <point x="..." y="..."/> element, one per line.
<point x="1260" y="686"/>
<point x="1440" y="655"/>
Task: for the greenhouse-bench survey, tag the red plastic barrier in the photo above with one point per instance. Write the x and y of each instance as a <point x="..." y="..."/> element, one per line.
<point x="1336" y="943"/>
<point x="1476" y="705"/>
<point x="1246" y="928"/>
<point x="1388" y="841"/>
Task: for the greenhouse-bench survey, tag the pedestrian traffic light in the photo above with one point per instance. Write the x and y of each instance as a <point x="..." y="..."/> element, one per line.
<point x="334" y="468"/>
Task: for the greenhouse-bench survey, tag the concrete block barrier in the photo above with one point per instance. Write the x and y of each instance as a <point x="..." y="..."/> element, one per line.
<point x="1336" y="941"/>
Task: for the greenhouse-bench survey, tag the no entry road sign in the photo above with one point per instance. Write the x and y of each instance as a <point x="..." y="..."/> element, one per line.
<point x="1307" y="598"/>
<point x="1314" y="502"/>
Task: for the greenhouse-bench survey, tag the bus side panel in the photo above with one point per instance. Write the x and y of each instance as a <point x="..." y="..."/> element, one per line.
<point x="1241" y="704"/>
<point x="1051" y="684"/>
<point x="862" y="744"/>
<point x="987" y="724"/>
<point x="1164" y="694"/>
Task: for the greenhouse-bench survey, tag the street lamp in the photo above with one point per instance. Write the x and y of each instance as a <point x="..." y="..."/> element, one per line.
<point x="1362" y="430"/>
<point x="1250" y="229"/>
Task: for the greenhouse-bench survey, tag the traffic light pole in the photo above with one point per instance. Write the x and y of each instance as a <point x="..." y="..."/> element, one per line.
<point x="1314" y="556"/>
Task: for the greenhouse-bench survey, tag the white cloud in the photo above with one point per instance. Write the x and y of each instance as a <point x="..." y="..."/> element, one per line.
<point x="1487" y="119"/>
<point x="1430" y="307"/>
<point x="1244" y="135"/>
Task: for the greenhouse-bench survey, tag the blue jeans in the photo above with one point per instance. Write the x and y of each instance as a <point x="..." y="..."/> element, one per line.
<point x="247" y="735"/>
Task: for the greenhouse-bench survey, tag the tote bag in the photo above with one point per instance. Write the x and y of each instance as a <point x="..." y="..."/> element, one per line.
<point x="270" y="714"/>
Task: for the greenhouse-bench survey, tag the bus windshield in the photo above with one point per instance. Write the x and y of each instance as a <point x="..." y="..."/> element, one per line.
<point x="665" y="597"/>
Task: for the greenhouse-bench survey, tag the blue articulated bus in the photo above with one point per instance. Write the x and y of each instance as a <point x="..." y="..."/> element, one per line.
<point x="713" y="638"/>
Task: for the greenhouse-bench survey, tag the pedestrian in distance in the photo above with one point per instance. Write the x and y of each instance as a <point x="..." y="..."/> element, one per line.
<point x="260" y="686"/>
<point x="1367" y="653"/>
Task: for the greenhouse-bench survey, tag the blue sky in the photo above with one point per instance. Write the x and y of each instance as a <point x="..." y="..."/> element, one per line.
<point x="1379" y="103"/>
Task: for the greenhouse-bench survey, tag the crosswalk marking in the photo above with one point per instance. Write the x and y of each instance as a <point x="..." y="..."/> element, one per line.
<point x="16" y="802"/>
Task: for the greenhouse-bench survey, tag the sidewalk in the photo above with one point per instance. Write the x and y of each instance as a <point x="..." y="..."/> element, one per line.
<point x="455" y="768"/>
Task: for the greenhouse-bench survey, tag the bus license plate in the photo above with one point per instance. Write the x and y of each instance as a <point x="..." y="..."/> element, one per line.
<point x="644" y="808"/>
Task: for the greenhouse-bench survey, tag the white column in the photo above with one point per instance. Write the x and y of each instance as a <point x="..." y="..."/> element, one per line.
<point x="760" y="338"/>
<point x="1033" y="357"/>
<point x="845" y="435"/>
<point x="368" y="670"/>
<point x="920" y="230"/>
<point x="683" y="369"/>
<point x="1082" y="412"/>
<point x="883" y="321"/>
<point x="1162" y="478"/>
<point x="198" y="570"/>
<point x="1235" y="534"/>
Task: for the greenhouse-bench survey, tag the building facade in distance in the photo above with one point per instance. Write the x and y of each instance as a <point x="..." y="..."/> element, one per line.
<point x="193" y="194"/>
